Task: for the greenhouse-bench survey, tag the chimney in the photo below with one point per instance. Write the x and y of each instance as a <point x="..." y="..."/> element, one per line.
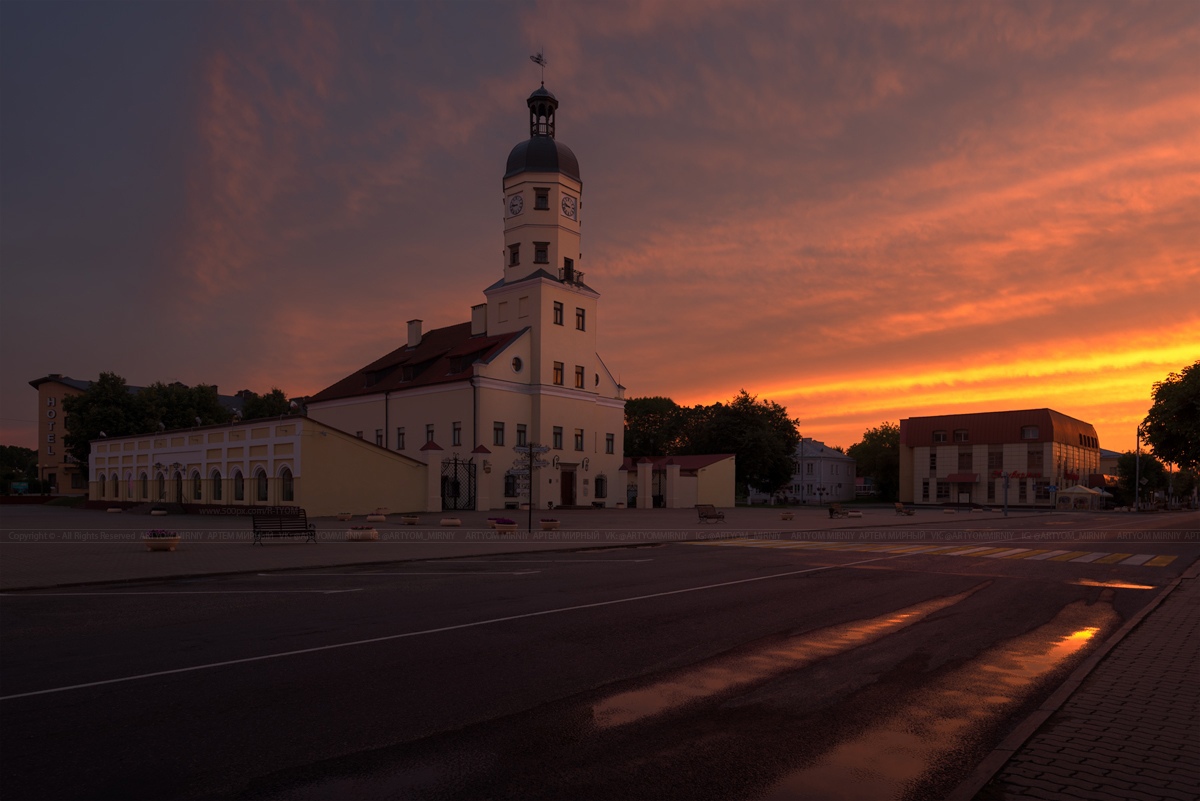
<point x="414" y="333"/>
<point x="479" y="320"/>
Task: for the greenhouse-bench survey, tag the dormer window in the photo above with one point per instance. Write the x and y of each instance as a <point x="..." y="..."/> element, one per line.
<point x="960" y="435"/>
<point x="939" y="436"/>
<point x="1029" y="432"/>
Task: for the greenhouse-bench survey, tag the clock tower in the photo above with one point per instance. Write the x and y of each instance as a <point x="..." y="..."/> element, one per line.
<point x="542" y="190"/>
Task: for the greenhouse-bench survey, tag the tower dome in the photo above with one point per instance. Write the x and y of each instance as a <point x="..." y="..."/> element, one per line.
<point x="541" y="152"/>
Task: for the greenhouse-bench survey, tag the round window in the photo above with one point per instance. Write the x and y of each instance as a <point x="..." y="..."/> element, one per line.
<point x="516" y="364"/>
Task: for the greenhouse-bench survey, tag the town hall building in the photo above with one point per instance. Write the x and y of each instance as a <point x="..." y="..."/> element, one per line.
<point x="471" y="400"/>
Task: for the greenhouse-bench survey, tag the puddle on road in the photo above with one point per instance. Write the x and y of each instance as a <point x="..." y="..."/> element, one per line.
<point x="1115" y="585"/>
<point x="883" y="761"/>
<point x="746" y="668"/>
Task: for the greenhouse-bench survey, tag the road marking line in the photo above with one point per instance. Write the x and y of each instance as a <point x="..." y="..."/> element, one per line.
<point x="1160" y="561"/>
<point x="1027" y="554"/>
<point x="34" y="594"/>
<point x="1113" y="557"/>
<point x="1091" y="557"/>
<point x="1009" y="554"/>
<point x="540" y="561"/>
<point x="1068" y="557"/>
<point x="439" y="630"/>
<point x="1140" y="559"/>
<point x="1046" y="555"/>
<point x="414" y="573"/>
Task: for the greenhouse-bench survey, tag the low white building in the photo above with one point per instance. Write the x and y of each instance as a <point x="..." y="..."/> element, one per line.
<point x="822" y="474"/>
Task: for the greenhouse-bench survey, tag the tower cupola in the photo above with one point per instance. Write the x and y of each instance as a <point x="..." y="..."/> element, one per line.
<point x="542" y="105"/>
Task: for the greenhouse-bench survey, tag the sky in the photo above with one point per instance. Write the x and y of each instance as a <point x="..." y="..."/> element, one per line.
<point x="861" y="211"/>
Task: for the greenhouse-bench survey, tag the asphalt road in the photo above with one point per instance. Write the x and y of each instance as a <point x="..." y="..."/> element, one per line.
<point x="763" y="668"/>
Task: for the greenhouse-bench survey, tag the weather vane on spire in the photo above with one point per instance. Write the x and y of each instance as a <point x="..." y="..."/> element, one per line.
<point x="540" y="60"/>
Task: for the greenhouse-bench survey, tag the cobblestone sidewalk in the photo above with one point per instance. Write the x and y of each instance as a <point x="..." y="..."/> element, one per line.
<point x="1132" y="728"/>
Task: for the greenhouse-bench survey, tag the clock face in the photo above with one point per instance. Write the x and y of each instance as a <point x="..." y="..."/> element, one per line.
<point x="569" y="206"/>
<point x="515" y="205"/>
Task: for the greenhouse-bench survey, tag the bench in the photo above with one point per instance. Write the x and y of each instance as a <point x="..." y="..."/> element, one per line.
<point x="708" y="513"/>
<point x="901" y="509"/>
<point x="283" y="523"/>
<point x="836" y="510"/>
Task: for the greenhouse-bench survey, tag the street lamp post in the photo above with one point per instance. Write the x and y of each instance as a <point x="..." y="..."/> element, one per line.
<point x="1004" y="475"/>
<point x="1137" y="472"/>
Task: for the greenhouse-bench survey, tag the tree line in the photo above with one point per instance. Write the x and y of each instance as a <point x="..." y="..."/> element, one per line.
<point x="111" y="408"/>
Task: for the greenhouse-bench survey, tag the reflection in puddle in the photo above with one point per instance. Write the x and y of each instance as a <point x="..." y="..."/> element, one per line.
<point x="885" y="759"/>
<point x="1116" y="585"/>
<point x="745" y="668"/>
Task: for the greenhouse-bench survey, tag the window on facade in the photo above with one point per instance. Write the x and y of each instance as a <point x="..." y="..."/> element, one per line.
<point x="609" y="443"/>
<point x="429" y="432"/>
<point x="578" y="376"/>
<point x="379" y="437"/>
<point x="996" y="459"/>
<point x="943" y="490"/>
<point x="1035" y="459"/>
<point x="287" y="486"/>
<point x="145" y="482"/>
<point x="358" y="434"/>
<point x="514" y="255"/>
<point x="580" y="319"/>
<point x="1041" y="490"/>
<point x="960" y="435"/>
<point x="1029" y="432"/>
<point x="557" y="445"/>
<point x="933" y="461"/>
<point x="502" y="311"/>
<point x="541" y="199"/>
<point x="260" y="482"/>
<point x="558" y="313"/>
<point x="541" y="252"/>
<point x="523" y="307"/>
<point x="991" y="495"/>
<point x="399" y="438"/>
<point x="964" y="460"/>
<point x="601" y="486"/>
<point x="497" y="433"/>
<point x="239" y="486"/>
<point x="216" y="485"/>
<point x="939" y="436"/>
<point x="558" y="373"/>
<point x="456" y="434"/>
<point x="808" y="468"/>
<point x="579" y="439"/>
<point x="510" y="485"/>
<point x="1021" y="494"/>
<point x="522" y="435"/>
<point x="197" y="487"/>
<point x="160" y="486"/>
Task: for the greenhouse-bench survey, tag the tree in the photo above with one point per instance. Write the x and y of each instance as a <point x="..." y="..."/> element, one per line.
<point x="1150" y="472"/>
<point x="877" y="456"/>
<point x="170" y="406"/>
<point x="106" y="408"/>
<point x="759" y="433"/>
<point x="17" y="464"/>
<point x="652" y="426"/>
<point x="109" y="408"/>
<point x="273" y="404"/>
<point x="1173" y="425"/>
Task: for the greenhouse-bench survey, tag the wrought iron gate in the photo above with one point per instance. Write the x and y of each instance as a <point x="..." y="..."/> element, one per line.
<point x="458" y="484"/>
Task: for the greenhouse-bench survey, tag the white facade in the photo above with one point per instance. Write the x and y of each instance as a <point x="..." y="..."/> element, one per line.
<point x="524" y="369"/>
<point x="822" y="475"/>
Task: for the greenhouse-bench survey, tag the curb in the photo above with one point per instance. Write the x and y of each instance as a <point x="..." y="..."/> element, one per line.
<point x="986" y="770"/>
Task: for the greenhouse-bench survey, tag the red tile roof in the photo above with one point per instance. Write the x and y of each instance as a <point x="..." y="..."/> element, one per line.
<point x="444" y="355"/>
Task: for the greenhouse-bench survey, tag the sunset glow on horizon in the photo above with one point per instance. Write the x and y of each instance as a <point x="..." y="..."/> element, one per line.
<point x="862" y="211"/>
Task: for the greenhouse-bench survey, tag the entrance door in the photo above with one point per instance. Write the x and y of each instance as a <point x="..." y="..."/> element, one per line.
<point x="458" y="485"/>
<point x="568" y="488"/>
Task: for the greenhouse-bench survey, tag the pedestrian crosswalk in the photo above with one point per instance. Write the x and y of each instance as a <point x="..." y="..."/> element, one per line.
<point x="988" y="551"/>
